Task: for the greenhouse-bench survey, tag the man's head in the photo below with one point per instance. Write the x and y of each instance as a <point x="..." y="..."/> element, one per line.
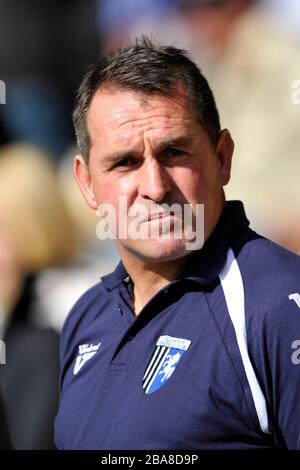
<point x="148" y="130"/>
<point x="150" y="70"/>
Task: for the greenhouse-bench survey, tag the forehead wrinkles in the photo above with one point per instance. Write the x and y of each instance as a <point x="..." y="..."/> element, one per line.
<point x="155" y="129"/>
<point x="151" y="125"/>
<point x="158" y="116"/>
<point x="118" y="111"/>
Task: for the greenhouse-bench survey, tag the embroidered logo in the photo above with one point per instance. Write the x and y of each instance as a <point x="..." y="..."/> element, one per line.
<point x="296" y="298"/>
<point x="85" y="353"/>
<point x="163" y="362"/>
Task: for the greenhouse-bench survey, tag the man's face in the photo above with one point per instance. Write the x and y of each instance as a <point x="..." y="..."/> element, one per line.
<point x="151" y="150"/>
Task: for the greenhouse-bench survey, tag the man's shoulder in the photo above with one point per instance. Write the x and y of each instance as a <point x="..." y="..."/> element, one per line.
<point x="89" y="304"/>
<point x="270" y="273"/>
<point x="263" y="258"/>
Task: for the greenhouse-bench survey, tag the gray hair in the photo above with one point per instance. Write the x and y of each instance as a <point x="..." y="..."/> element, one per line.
<point x="153" y="70"/>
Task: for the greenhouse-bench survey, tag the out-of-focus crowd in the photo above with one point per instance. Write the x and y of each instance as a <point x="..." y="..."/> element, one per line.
<point x="49" y="253"/>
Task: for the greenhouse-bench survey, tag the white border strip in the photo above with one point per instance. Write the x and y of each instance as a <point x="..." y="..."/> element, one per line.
<point x="233" y="288"/>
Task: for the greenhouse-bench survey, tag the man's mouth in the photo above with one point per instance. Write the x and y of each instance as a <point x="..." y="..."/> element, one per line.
<point x="157" y="216"/>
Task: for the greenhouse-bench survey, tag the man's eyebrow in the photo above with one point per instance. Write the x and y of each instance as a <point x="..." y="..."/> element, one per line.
<point x="173" y="142"/>
<point x="180" y="141"/>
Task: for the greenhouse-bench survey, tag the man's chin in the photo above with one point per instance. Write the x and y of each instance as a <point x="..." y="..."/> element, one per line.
<point x="156" y="250"/>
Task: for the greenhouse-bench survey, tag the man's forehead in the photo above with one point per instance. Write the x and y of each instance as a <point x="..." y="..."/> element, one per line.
<point x="124" y="124"/>
<point x="121" y="118"/>
<point x="115" y="102"/>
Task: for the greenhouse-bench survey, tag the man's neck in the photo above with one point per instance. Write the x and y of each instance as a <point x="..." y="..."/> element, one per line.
<point x="149" y="278"/>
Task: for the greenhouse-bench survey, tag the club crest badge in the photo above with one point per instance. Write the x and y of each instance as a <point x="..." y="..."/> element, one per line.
<point x="163" y="362"/>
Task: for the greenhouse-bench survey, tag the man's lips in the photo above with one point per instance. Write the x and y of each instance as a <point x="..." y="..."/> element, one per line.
<point x="158" y="216"/>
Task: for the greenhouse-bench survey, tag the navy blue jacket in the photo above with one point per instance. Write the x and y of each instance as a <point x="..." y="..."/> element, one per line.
<point x="211" y="362"/>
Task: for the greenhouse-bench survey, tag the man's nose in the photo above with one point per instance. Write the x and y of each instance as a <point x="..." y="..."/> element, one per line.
<point x="154" y="180"/>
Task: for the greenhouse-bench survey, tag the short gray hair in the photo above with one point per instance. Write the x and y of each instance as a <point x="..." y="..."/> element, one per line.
<point x="153" y="70"/>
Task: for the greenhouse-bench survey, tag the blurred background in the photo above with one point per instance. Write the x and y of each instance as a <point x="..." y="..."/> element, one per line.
<point x="249" y="50"/>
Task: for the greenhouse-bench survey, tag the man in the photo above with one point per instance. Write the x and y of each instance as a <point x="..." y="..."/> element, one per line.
<point x="178" y="348"/>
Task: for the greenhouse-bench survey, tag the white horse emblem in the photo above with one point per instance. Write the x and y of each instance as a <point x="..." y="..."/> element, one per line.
<point x="169" y="366"/>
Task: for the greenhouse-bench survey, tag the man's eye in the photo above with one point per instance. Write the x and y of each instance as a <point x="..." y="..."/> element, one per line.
<point x="125" y="162"/>
<point x="172" y="152"/>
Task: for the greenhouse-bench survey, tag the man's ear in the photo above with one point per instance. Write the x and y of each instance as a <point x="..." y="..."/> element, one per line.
<point x="224" y="153"/>
<point x="84" y="181"/>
